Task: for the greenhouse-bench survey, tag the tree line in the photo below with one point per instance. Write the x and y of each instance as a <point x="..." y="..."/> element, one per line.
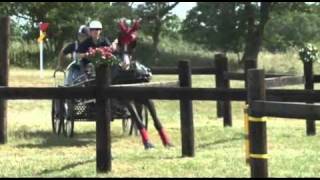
<point x="245" y="27"/>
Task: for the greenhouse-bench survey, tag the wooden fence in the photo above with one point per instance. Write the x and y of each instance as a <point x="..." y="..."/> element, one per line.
<point x="102" y="92"/>
<point x="223" y="77"/>
<point x="260" y="106"/>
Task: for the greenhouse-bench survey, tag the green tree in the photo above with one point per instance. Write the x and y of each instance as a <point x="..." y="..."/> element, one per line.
<point x="111" y="17"/>
<point x="154" y="15"/>
<point x="172" y="27"/>
<point x="293" y="27"/>
<point x="64" y="19"/>
<point x="256" y="22"/>
<point x="217" y="25"/>
<point x="229" y="26"/>
<point x="240" y="26"/>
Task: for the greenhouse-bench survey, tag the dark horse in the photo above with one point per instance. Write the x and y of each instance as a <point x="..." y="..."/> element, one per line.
<point x="131" y="71"/>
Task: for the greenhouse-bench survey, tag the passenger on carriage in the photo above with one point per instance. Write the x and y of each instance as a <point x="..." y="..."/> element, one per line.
<point x="69" y="51"/>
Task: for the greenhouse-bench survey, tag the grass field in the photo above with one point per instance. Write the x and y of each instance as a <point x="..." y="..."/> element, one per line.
<point x="34" y="151"/>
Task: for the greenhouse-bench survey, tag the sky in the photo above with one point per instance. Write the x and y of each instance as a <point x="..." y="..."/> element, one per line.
<point x="182" y="9"/>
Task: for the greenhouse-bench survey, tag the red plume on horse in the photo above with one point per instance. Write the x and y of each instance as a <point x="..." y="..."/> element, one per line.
<point x="128" y="34"/>
<point x="127" y="40"/>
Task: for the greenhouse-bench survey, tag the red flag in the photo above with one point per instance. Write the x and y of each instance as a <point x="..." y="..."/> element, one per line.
<point x="43" y="26"/>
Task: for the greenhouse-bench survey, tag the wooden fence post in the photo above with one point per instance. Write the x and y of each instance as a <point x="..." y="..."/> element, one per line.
<point x="103" y="119"/>
<point x="257" y="126"/>
<point x="218" y="63"/>
<point x="248" y="64"/>
<point x="186" y="111"/>
<point x="4" y="73"/>
<point x="308" y="85"/>
<point x="246" y="131"/>
<point x="223" y="107"/>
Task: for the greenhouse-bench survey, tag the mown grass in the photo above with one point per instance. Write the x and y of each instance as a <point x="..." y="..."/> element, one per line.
<point x="34" y="151"/>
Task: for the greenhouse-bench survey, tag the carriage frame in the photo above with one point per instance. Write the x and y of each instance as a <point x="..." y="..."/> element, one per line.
<point x="65" y="112"/>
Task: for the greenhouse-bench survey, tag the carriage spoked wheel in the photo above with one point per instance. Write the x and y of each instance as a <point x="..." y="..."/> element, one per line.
<point x="125" y="125"/>
<point x="68" y="121"/>
<point x="129" y="126"/>
<point x="57" y="113"/>
<point x="57" y="109"/>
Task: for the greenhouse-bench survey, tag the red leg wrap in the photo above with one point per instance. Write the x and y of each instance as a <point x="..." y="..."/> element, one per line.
<point x="144" y="135"/>
<point x="164" y="137"/>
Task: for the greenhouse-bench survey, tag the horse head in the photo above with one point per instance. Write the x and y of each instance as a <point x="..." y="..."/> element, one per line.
<point x="127" y="39"/>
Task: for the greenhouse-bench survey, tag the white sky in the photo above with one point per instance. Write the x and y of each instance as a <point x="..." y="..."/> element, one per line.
<point x="180" y="10"/>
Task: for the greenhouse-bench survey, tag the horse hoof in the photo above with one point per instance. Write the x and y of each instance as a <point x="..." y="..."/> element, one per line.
<point x="148" y="145"/>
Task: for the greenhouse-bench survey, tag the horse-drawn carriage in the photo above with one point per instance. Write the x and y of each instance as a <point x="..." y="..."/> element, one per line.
<point x="67" y="111"/>
<point x="133" y="112"/>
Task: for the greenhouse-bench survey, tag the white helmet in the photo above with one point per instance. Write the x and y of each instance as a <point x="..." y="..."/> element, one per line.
<point x="95" y="25"/>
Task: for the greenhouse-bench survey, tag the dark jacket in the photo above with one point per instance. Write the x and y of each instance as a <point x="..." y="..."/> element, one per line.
<point x="85" y="45"/>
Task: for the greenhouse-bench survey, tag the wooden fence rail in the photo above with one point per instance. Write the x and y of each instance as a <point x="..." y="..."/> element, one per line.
<point x="283" y="81"/>
<point x="164" y="93"/>
<point x="293" y="95"/>
<point x="316" y="78"/>
<point x="174" y="70"/>
<point x="241" y="75"/>
<point x="285" y="110"/>
<point x="259" y="107"/>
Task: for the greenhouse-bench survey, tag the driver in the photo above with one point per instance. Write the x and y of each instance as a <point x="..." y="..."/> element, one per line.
<point x="95" y="40"/>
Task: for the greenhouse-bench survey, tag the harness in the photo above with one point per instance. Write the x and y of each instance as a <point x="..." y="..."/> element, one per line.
<point x="74" y="55"/>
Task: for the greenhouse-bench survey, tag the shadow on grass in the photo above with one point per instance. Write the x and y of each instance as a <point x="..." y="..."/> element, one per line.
<point x="47" y="139"/>
<point x="66" y="167"/>
<point x="218" y="142"/>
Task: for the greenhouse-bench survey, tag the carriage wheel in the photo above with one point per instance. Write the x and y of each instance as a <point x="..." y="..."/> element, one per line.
<point x="57" y="114"/>
<point x="125" y="125"/>
<point x="68" y="122"/>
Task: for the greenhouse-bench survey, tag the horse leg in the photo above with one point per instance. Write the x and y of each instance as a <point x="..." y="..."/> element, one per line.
<point x="141" y="111"/>
<point x="157" y="124"/>
<point x="136" y="118"/>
